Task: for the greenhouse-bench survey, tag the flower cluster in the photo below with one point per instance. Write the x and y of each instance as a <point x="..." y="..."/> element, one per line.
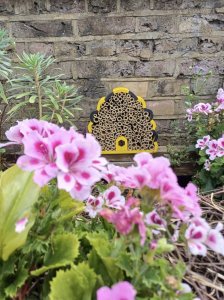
<point x="199" y="235"/>
<point x="53" y="152"/>
<point x="215" y="148"/>
<point x="155" y="173"/>
<point x="111" y="197"/>
<point x="199" y="108"/>
<point x="125" y="217"/>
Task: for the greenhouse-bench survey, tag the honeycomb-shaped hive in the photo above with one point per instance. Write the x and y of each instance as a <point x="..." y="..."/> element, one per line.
<point x="123" y="124"/>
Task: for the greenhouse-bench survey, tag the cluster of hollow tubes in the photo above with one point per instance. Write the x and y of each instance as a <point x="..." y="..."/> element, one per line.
<point x="122" y="115"/>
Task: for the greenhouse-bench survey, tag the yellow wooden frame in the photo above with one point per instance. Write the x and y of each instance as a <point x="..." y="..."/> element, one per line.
<point x="124" y="149"/>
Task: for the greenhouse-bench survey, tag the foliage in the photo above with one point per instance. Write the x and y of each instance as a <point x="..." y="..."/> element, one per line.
<point x="56" y="99"/>
<point x="176" y="156"/>
<point x="204" y="120"/>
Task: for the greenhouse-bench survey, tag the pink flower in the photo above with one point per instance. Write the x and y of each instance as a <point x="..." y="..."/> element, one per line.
<point x="76" y="174"/>
<point x="186" y="199"/>
<point x="204" y="108"/>
<point x="203" y="143"/>
<point x="98" y="162"/>
<point x="113" y="197"/>
<point x="213" y="150"/>
<point x="111" y="172"/>
<point x="153" y="245"/>
<point x="207" y="165"/>
<point x="185" y="289"/>
<point x="14" y="135"/>
<point x="220" y="95"/>
<point x="153" y="218"/>
<point x="215" y="240"/>
<point x="121" y="291"/>
<point x="134" y="177"/>
<point x="21" y="225"/>
<point x="40" y="155"/>
<point x="196" y="236"/>
<point x="124" y="218"/>
<point x="94" y="206"/>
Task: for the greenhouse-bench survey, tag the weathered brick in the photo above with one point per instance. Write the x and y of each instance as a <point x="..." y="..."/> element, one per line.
<point x="3" y="25"/>
<point x="208" y="64"/>
<point x="177" y="44"/>
<point x="102" y="47"/>
<point x="165" y="126"/>
<point x="42" y="48"/>
<point x="62" y="68"/>
<point x="93" y="69"/>
<point x="155" y="68"/>
<point x="184" y="67"/>
<point x="67" y="6"/>
<point x="102" y="6"/>
<point x="166" y="87"/>
<point x="221" y="66"/>
<point x="180" y="107"/>
<point x="34" y="7"/>
<point x="20" y="48"/>
<point x="194" y="24"/>
<point x="135" y="47"/>
<point x="6" y="7"/>
<point x="70" y="49"/>
<point x="161" y="108"/>
<point x="173" y="4"/>
<point x="208" y="3"/>
<point x="164" y="24"/>
<point x="94" y="88"/>
<point x="211" y="86"/>
<point x="102" y="26"/>
<point x="136" y="87"/>
<point x="135" y="5"/>
<point x="216" y="21"/>
<point x="210" y="45"/>
<point x="36" y="29"/>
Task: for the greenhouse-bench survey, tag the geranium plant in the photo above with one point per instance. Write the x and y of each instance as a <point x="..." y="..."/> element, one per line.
<point x="65" y="236"/>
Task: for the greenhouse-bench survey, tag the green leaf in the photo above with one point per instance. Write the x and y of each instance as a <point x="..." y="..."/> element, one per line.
<point x="77" y="284"/>
<point x="101" y="188"/>
<point x="68" y="285"/>
<point x="19" y="280"/>
<point x="101" y="244"/>
<point x="77" y="108"/>
<point x="17" y="106"/>
<point x="59" y="118"/>
<point x="84" y="269"/>
<point x="152" y="277"/>
<point x="2" y="94"/>
<point x="18" y="193"/>
<point x="65" y="251"/>
<point x="32" y="98"/>
<point x="7" y="267"/>
<point x="126" y="264"/>
<point x="191" y="148"/>
<point x="23" y="94"/>
<point x="68" y="111"/>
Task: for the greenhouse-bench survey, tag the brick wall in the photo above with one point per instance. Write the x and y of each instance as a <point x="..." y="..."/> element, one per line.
<point x="144" y="45"/>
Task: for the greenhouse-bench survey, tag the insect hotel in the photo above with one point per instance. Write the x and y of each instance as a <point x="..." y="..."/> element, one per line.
<point x="123" y="124"/>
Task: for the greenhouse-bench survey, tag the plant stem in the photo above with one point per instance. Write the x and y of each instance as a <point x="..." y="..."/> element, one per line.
<point x="63" y="104"/>
<point x="38" y="93"/>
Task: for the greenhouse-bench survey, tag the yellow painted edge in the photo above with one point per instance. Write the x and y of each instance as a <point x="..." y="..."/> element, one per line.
<point x="102" y="100"/>
<point x="90" y="127"/>
<point x="142" y="101"/>
<point x="132" y="151"/>
<point x="153" y="124"/>
<point x="120" y="90"/>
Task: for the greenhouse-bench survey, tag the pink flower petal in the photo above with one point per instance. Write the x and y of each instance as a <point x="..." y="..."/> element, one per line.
<point x="21" y="225"/>
<point x="28" y="163"/>
<point x="65" y="181"/>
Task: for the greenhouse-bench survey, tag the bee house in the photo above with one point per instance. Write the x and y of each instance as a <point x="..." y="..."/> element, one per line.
<point x="123" y="124"/>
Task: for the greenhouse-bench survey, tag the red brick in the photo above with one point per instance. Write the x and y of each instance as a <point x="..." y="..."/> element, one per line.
<point x="67" y="6"/>
<point x="42" y="48"/>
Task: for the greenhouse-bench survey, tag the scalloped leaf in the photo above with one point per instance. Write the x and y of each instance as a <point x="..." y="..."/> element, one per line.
<point x="65" y="251"/>
<point x="77" y="283"/>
